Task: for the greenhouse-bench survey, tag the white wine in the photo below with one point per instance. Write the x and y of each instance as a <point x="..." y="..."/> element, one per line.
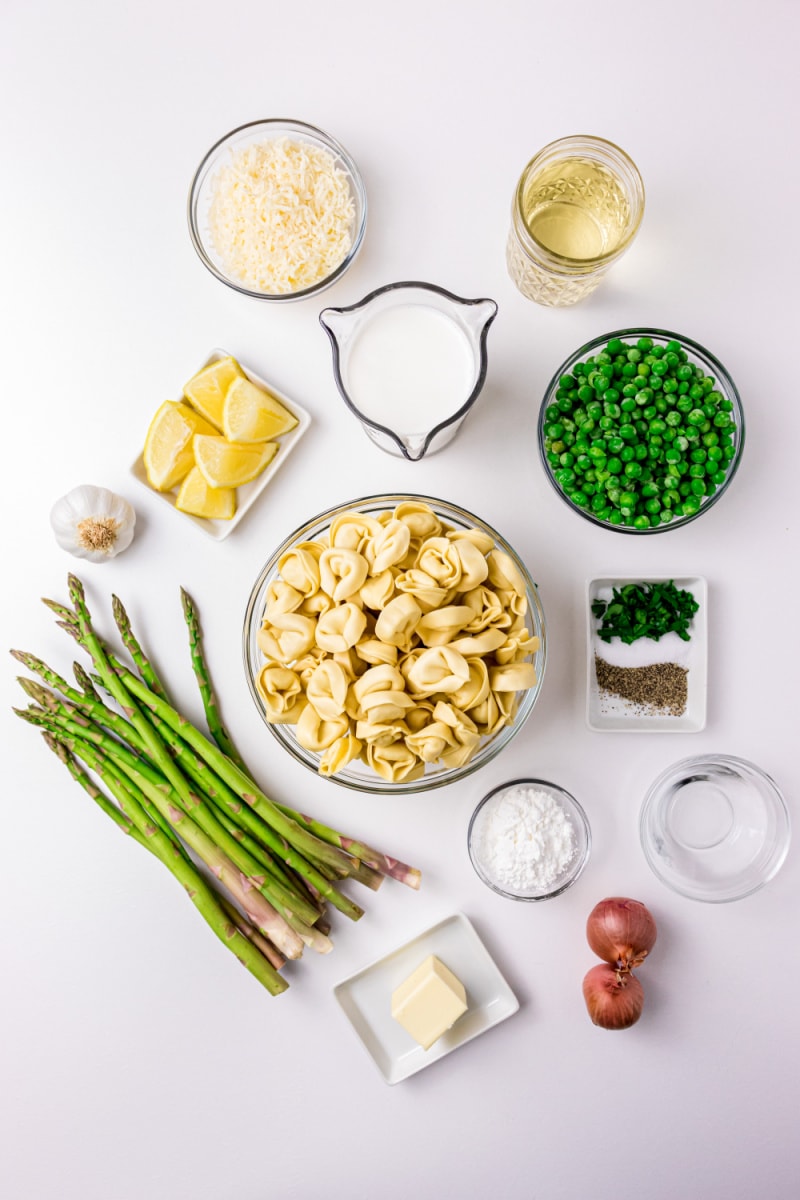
<point x="576" y="208"/>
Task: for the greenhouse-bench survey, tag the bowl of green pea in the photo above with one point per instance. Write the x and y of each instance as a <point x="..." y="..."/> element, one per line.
<point x="641" y="430"/>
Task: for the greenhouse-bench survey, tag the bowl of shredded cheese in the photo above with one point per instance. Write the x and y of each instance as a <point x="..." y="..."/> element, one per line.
<point x="277" y="210"/>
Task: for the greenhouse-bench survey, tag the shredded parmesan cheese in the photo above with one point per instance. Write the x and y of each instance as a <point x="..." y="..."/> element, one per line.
<point x="281" y="216"/>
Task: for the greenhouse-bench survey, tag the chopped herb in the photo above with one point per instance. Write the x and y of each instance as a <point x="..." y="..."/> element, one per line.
<point x="649" y="610"/>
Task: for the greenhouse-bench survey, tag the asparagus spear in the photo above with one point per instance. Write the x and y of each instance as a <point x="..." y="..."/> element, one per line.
<point x="143" y="664"/>
<point x="210" y="706"/>
<point x="400" y="871"/>
<point x="136" y="824"/>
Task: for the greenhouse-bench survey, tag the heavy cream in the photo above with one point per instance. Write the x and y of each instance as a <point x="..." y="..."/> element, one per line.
<point x="409" y="368"/>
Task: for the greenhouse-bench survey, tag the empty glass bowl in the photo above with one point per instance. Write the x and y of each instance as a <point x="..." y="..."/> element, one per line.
<point x="626" y="453"/>
<point x="499" y="816"/>
<point x="715" y="828"/>
<point x="357" y="774"/>
<point x="222" y="154"/>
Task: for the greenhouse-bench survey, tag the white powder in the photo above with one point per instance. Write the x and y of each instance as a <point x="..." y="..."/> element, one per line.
<point x="525" y="838"/>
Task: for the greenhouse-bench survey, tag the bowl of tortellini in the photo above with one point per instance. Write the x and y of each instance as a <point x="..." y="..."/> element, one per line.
<point x="394" y="643"/>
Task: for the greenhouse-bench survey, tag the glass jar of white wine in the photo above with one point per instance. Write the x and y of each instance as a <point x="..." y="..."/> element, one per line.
<point x="576" y="209"/>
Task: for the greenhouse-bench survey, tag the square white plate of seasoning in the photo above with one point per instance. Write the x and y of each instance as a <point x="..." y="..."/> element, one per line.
<point x="609" y="712"/>
<point x="366" y="997"/>
<point x="248" y="493"/>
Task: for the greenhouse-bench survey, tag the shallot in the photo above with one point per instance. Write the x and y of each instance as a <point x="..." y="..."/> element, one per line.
<point x="621" y="932"/>
<point x="614" y="998"/>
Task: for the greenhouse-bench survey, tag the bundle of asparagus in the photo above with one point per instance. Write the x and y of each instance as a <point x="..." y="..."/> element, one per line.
<point x="271" y="872"/>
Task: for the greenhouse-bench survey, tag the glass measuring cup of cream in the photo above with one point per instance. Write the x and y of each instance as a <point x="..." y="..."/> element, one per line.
<point x="410" y="361"/>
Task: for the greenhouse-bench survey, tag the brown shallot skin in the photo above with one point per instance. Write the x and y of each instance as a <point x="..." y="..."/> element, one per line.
<point x="622" y="932"/>
<point x="613" y="998"/>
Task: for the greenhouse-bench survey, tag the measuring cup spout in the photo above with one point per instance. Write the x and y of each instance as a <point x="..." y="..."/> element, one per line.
<point x="335" y="322"/>
<point x="479" y="314"/>
<point x="414" y="447"/>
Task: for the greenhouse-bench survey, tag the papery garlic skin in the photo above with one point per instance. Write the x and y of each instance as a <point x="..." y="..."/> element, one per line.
<point x="93" y="523"/>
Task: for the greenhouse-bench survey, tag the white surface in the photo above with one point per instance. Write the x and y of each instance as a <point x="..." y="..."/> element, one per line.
<point x="606" y="713"/>
<point x="138" y="1059"/>
<point x="248" y="493"/>
<point x="366" y="997"/>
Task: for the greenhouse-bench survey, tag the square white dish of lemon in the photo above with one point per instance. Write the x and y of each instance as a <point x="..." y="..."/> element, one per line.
<point x="210" y="454"/>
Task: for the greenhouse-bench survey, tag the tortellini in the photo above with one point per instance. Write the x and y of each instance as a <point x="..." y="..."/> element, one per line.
<point x="395" y="641"/>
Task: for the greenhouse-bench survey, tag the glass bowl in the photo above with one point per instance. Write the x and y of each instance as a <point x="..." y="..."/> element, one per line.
<point x="690" y="473"/>
<point x="359" y="775"/>
<point x="715" y="828"/>
<point x="569" y="872"/>
<point x="254" y="133"/>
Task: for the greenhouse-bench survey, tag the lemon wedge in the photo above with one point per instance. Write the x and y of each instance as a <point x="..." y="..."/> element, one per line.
<point x="168" y="454"/>
<point x="227" y="464"/>
<point x="200" y="500"/>
<point x="251" y="414"/>
<point x="206" y="390"/>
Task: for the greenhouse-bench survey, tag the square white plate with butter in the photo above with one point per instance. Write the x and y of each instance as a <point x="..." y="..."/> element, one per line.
<point x="608" y="713"/>
<point x="248" y="493"/>
<point x="366" y="997"/>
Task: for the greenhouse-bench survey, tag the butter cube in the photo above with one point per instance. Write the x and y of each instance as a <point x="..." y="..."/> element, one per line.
<point x="429" y="1002"/>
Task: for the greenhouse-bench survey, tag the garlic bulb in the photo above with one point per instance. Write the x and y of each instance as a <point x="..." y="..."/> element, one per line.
<point x="93" y="523"/>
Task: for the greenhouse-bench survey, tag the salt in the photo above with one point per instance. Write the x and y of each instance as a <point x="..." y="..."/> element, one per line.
<point x="525" y="839"/>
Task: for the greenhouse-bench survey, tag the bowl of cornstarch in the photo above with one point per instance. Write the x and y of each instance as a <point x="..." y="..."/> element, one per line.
<point x="529" y="840"/>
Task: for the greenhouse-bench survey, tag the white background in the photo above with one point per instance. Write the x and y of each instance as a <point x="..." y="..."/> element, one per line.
<point x="139" y="1062"/>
